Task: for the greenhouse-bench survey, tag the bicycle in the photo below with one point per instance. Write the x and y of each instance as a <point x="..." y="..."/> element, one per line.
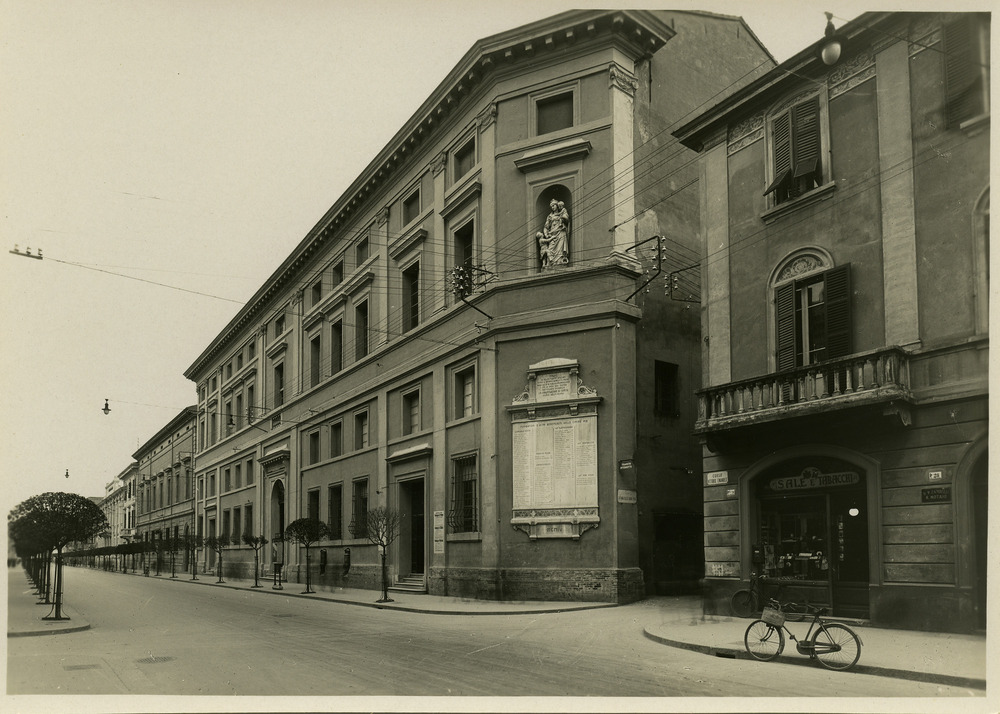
<point x="834" y="644"/>
<point x="745" y="603"/>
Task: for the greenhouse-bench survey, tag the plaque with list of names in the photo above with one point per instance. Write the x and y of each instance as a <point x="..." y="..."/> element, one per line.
<point x="554" y="453"/>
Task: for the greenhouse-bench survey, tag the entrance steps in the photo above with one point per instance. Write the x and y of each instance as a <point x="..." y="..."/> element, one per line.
<point x="410" y="584"/>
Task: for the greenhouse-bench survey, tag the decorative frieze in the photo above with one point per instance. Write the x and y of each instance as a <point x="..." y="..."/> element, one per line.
<point x="747" y="132"/>
<point x="851" y="73"/>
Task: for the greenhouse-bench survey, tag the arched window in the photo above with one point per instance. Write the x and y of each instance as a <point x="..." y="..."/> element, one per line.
<point x="812" y="309"/>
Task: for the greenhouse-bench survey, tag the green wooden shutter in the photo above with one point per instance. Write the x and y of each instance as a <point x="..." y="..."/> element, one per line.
<point x="838" y="311"/>
<point x="963" y="76"/>
<point x="784" y="323"/>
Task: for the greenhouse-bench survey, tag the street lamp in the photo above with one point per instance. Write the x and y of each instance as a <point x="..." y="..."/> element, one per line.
<point x="106" y="408"/>
<point x="833" y="43"/>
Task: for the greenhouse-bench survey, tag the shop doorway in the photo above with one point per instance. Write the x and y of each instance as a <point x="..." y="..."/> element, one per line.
<point x="812" y="533"/>
<point x="411" y="535"/>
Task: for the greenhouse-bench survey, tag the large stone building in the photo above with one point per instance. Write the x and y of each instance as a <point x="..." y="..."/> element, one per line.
<point x="462" y="336"/>
<point x="845" y="318"/>
<point x="164" y="497"/>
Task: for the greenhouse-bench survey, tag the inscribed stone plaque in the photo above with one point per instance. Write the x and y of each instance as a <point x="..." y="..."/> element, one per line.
<point x="555" y="463"/>
<point x="552" y="385"/>
<point x="438" y="531"/>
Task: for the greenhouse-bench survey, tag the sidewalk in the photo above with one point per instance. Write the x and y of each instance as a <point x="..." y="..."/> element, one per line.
<point x="941" y="658"/>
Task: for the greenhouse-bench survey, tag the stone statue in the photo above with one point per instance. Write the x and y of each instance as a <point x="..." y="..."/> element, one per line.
<point x="553" y="239"/>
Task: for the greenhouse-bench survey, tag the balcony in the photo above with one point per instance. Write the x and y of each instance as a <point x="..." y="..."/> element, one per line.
<point x="877" y="377"/>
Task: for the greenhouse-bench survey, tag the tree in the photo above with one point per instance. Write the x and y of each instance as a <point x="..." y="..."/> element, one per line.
<point x="383" y="529"/>
<point x="191" y="543"/>
<point x="255" y="542"/>
<point x="53" y="520"/>
<point x="307" y="531"/>
<point x="218" y="544"/>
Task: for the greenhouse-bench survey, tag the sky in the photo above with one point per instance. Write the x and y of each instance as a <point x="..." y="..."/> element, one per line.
<point x="166" y="156"/>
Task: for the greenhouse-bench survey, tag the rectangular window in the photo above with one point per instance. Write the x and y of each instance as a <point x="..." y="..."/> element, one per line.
<point x="966" y="69"/>
<point x="201" y="489"/>
<point x="279" y="384"/>
<point x="335" y="511"/>
<point x="279" y="325"/>
<point x="229" y="370"/>
<point x="554" y="113"/>
<point x="317" y="293"/>
<point x="315" y="357"/>
<point x="313" y="504"/>
<point x="464" y="247"/>
<point x="795" y="151"/>
<point x="249" y="472"/>
<point x="230" y="422"/>
<point x="251" y="350"/>
<point x="248" y="526"/>
<point x="314" y="447"/>
<point x="411" y="207"/>
<point x="338" y="273"/>
<point x="238" y="475"/>
<point x="361" y="251"/>
<point x="665" y="387"/>
<point x="225" y="524"/>
<point x="361" y="430"/>
<point x="813" y="318"/>
<point x="227" y="479"/>
<point x="464" y="159"/>
<point x="336" y="439"/>
<point x="411" y="297"/>
<point x="237" y="526"/>
<point x="361" y="330"/>
<point x="211" y="484"/>
<point x="464" y="494"/>
<point x="239" y="360"/>
<point x="251" y="414"/>
<point x="411" y="412"/>
<point x="465" y="392"/>
<point x="359" y="509"/>
<point x="336" y="347"/>
<point x="239" y="411"/>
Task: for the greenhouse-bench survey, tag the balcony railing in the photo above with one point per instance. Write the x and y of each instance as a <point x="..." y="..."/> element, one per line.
<point x="873" y="377"/>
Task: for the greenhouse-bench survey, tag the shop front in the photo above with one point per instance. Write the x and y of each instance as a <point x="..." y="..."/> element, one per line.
<point x="811" y="521"/>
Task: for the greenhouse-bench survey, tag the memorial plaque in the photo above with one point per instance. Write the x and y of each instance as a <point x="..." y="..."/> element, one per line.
<point x="438" y="531"/>
<point x="555" y="463"/>
<point x="551" y="386"/>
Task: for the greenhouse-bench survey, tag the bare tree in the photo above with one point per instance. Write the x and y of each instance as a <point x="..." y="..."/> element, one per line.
<point x="383" y="529"/>
<point x="218" y="544"/>
<point x="307" y="531"/>
<point x="255" y="542"/>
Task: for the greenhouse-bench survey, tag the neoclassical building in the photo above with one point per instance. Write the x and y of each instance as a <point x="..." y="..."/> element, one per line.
<point x="477" y="333"/>
<point x="845" y="302"/>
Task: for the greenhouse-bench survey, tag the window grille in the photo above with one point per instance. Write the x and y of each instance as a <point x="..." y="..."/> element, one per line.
<point x="465" y="492"/>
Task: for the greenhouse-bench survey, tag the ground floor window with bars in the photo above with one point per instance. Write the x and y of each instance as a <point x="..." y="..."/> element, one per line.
<point x="335" y="509"/>
<point x="359" y="509"/>
<point x="464" y="516"/>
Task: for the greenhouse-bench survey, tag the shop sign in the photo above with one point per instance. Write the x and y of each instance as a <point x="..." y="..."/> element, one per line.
<point x="814" y="478"/>
<point x="937" y="494"/>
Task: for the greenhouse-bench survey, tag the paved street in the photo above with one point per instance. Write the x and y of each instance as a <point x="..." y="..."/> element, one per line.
<point x="156" y="636"/>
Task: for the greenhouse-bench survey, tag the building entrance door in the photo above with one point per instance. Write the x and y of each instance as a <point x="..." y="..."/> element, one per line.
<point x="412" y="540"/>
<point x="980" y="497"/>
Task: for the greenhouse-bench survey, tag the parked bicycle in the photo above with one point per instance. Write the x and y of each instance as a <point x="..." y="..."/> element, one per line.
<point x="746" y="602"/>
<point x="834" y="644"/>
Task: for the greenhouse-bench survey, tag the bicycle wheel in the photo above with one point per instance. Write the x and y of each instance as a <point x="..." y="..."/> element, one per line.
<point x="836" y="646"/>
<point x="764" y="641"/>
<point x="743" y="603"/>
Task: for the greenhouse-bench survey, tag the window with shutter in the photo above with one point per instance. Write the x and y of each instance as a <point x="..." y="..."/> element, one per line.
<point x="813" y="318"/>
<point x="965" y="69"/>
<point x="796" y="147"/>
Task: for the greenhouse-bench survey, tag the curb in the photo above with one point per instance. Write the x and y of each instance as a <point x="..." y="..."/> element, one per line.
<point x="732" y="653"/>
<point x="57" y="629"/>
<point x="323" y="596"/>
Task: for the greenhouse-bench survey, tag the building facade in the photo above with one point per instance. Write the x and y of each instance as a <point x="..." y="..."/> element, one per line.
<point x="845" y="324"/>
<point x="164" y="495"/>
<point x="459" y="337"/>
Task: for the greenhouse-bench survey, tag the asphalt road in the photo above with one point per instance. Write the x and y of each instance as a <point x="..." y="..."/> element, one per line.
<point x="160" y="637"/>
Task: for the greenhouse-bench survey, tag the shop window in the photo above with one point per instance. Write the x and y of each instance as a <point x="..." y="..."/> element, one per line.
<point x="554" y="113"/>
<point x="966" y="68"/>
<point x="335" y="511"/>
<point x="813" y="318"/>
<point x="464" y="516"/>
<point x="796" y="151"/>
<point x="665" y="389"/>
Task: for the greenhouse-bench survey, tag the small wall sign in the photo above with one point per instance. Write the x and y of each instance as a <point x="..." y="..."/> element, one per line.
<point x="937" y="494"/>
<point x="717" y="478"/>
<point x="935" y="475"/>
<point x="730" y="493"/>
<point x="625" y="496"/>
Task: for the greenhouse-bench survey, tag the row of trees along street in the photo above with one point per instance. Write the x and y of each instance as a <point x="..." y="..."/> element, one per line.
<point x="46" y="523"/>
<point x="52" y="521"/>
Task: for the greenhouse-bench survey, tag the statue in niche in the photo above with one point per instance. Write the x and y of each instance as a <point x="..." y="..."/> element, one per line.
<point x="553" y="239"/>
